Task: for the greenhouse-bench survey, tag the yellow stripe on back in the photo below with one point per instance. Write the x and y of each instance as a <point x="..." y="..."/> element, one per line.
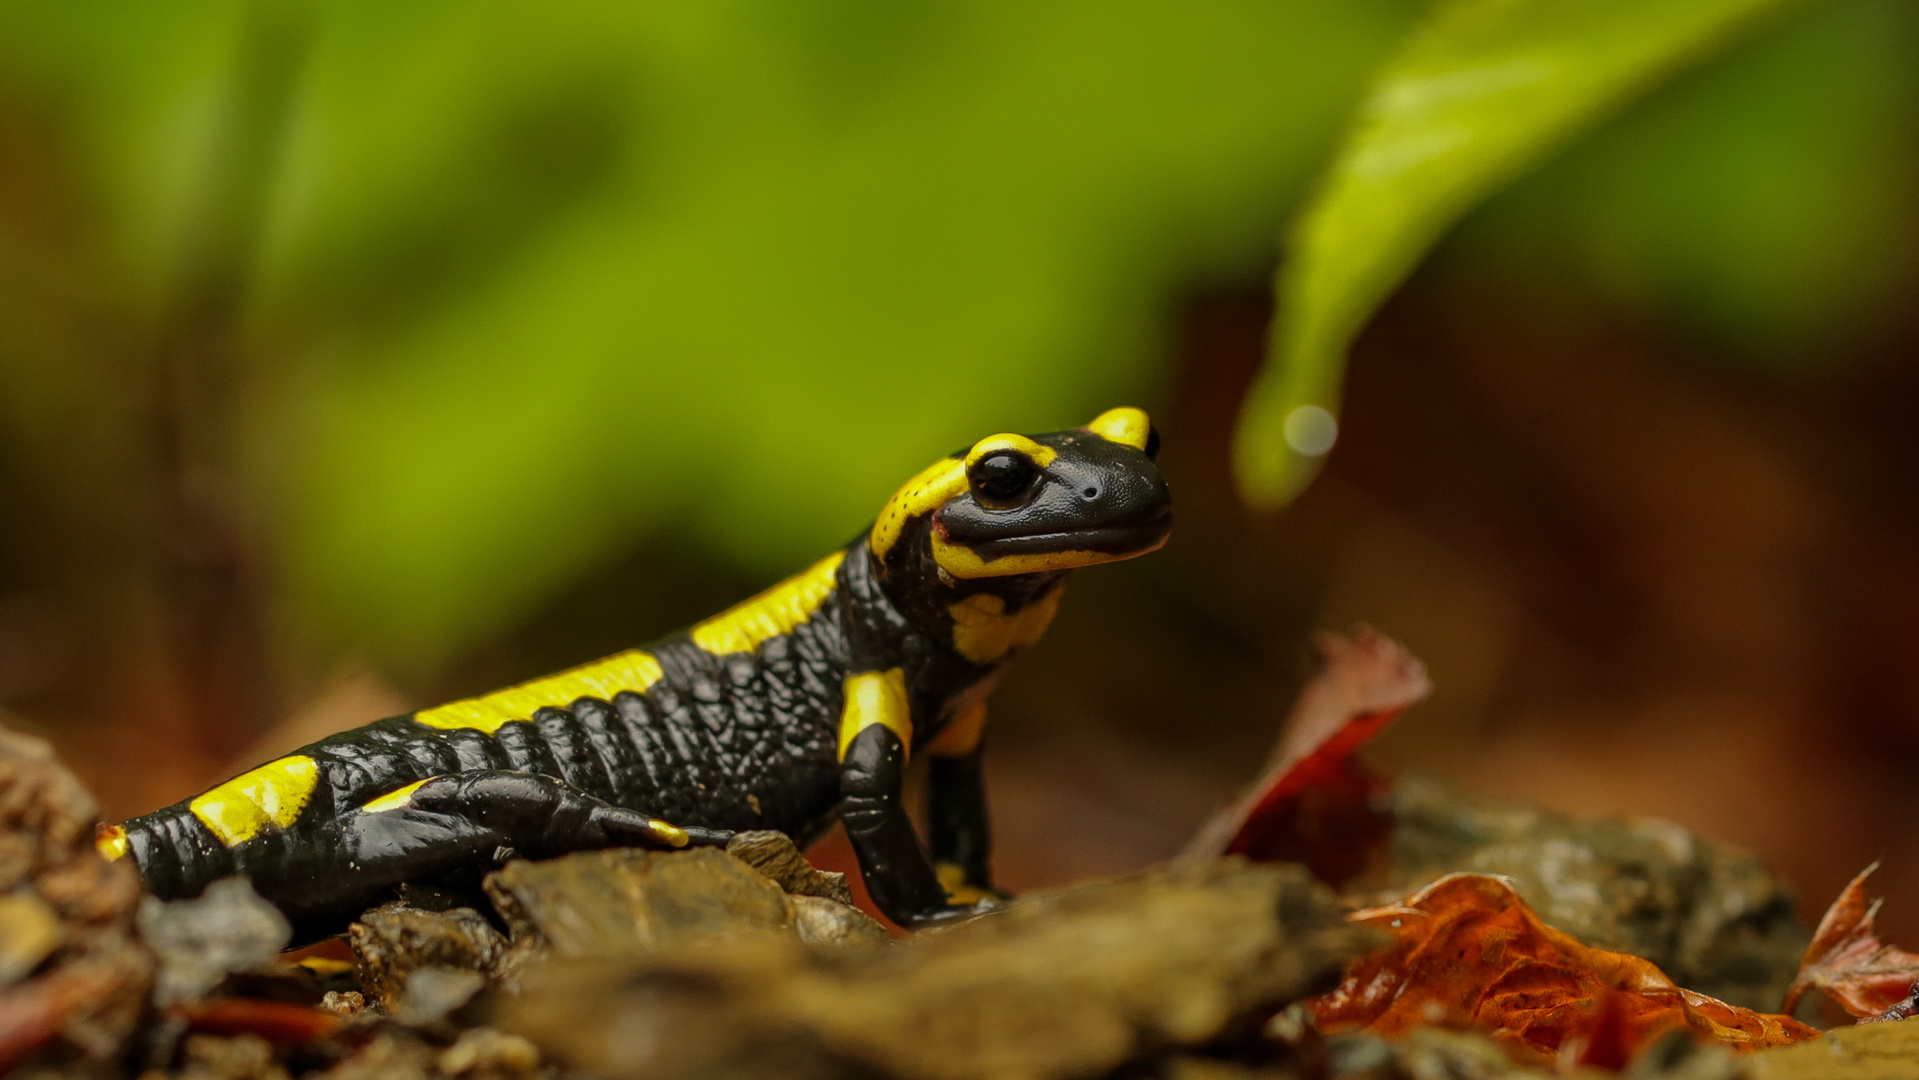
<point x="743" y="627"/>
<point x="274" y="793"/>
<point x="633" y="670"/>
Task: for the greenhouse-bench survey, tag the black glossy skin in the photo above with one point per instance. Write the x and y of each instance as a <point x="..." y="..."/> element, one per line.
<point x="719" y="744"/>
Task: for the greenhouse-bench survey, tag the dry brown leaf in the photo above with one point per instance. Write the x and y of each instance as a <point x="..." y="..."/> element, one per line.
<point x="1847" y="961"/>
<point x="1469" y="953"/>
<point x="1313" y="803"/>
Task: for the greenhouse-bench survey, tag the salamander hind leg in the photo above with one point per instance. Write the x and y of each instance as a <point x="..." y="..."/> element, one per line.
<point x="451" y="823"/>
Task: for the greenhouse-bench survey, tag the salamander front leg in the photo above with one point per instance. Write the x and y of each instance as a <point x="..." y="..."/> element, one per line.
<point x="875" y="733"/>
<point x="957" y="826"/>
<point x="448" y="822"/>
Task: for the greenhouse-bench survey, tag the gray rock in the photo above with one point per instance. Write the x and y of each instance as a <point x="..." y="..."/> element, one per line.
<point x="775" y="855"/>
<point x="432" y="993"/>
<point x="628" y="901"/>
<point x="1073" y="983"/>
<point x="395" y="940"/>
<point x="820" y="921"/>
<point x="1884" y="1051"/>
<point x="200" y="942"/>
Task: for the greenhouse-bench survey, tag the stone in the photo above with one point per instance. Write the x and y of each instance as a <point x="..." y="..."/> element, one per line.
<point x="81" y="982"/>
<point x="227" y="929"/>
<point x="775" y="855"/>
<point x="394" y="940"/>
<point x="627" y="901"/>
<point x="820" y="921"/>
<point x="486" y="1054"/>
<point x="1073" y="983"/>
<point x="433" y="993"/>
<point x="1882" y="1051"/>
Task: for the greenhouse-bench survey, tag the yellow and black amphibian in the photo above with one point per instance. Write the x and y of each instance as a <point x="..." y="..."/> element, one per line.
<point x="798" y="705"/>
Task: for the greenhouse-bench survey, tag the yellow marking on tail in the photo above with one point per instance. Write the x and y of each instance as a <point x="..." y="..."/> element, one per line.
<point x="778" y="610"/>
<point x="394" y="799"/>
<point x="273" y="794"/>
<point x="111" y="842"/>
<point x="876" y="697"/>
<point x="669" y="832"/>
<point x="633" y="670"/>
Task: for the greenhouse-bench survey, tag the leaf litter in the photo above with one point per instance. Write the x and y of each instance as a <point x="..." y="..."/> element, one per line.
<point x="1453" y="954"/>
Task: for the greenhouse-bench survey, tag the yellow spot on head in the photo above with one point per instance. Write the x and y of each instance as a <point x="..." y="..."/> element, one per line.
<point x="940" y="483"/>
<point x="876" y="697"/>
<point x="778" y="610"/>
<point x="1019" y="444"/>
<point x="111" y="842"/>
<point x="273" y="794"/>
<point x="924" y="493"/>
<point x="631" y="670"/>
<point x="983" y="633"/>
<point x="670" y="833"/>
<point x="1126" y="426"/>
<point x="394" y="799"/>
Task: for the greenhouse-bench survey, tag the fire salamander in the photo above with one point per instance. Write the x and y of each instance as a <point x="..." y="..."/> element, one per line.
<point x="797" y="706"/>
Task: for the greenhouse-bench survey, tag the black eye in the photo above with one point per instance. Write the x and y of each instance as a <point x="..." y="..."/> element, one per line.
<point x="1000" y="479"/>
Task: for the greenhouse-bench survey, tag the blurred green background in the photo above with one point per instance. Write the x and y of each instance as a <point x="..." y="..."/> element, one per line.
<point x="356" y="355"/>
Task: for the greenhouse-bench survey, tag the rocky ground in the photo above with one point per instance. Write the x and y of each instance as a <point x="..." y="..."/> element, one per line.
<point x="750" y="963"/>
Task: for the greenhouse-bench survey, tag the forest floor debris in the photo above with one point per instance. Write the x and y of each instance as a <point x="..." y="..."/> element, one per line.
<point x="1541" y="956"/>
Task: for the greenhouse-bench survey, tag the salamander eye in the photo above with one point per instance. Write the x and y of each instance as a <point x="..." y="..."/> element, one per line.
<point x="998" y="480"/>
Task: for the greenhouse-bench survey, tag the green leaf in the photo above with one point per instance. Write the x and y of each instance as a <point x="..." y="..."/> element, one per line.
<point x="1483" y="90"/>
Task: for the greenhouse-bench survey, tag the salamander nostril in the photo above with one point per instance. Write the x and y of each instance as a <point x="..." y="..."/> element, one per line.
<point x="1091" y="493"/>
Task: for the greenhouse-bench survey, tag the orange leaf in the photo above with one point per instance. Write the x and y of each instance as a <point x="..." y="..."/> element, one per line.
<point x="1849" y="963"/>
<point x="1468" y="953"/>
<point x="279" y="1021"/>
<point x="1313" y="804"/>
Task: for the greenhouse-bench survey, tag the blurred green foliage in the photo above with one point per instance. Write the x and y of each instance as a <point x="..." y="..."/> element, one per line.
<point x="491" y="289"/>
<point x="1480" y="91"/>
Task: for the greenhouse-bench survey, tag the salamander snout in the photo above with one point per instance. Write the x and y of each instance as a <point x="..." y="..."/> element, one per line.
<point x="1057" y="501"/>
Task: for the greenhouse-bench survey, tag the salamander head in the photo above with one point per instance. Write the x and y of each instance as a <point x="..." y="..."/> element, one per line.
<point x="1021" y="505"/>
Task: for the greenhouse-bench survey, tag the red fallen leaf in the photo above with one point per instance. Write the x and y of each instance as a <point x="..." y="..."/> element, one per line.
<point x="1468" y="953"/>
<point x="1314" y="802"/>
<point x="278" y="1021"/>
<point x="32" y="1012"/>
<point x="1849" y="963"/>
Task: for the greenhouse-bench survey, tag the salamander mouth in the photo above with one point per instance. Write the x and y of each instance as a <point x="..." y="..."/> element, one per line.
<point x="1116" y="540"/>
